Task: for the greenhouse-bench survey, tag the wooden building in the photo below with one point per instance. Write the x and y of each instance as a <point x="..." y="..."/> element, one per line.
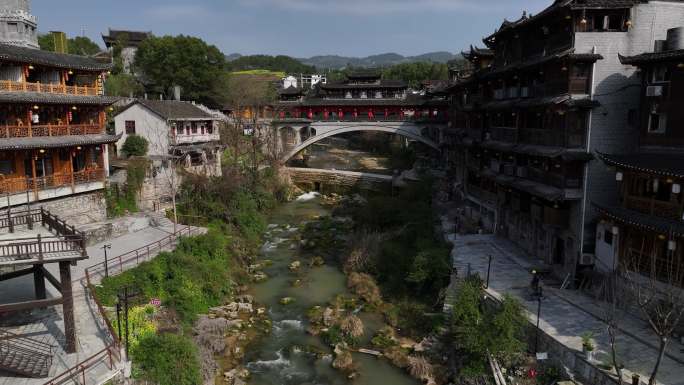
<point x="544" y="96"/>
<point x="644" y="230"/>
<point x="52" y="125"/>
<point x="362" y="96"/>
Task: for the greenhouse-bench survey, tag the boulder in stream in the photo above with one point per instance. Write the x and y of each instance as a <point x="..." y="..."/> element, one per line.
<point x="295" y="265"/>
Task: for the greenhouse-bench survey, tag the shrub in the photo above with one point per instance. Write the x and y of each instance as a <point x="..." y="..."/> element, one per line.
<point x="167" y="359"/>
<point x="364" y="286"/>
<point x="352" y="326"/>
<point x="135" y="145"/>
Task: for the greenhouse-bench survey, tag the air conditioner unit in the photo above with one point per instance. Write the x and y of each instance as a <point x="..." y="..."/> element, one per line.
<point x="587" y="259"/>
<point x="652" y="91"/>
<point x="494" y="165"/>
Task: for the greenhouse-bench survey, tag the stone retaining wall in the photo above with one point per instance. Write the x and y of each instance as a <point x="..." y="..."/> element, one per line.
<point x="326" y="181"/>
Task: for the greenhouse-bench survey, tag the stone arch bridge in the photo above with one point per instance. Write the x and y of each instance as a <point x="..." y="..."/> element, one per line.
<point x="296" y="135"/>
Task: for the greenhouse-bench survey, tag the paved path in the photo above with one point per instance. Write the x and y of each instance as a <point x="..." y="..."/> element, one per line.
<point x="565" y="314"/>
<point x="47" y="324"/>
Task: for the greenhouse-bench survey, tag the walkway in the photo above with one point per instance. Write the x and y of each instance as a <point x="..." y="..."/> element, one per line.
<point x="47" y="325"/>
<point x="565" y="314"/>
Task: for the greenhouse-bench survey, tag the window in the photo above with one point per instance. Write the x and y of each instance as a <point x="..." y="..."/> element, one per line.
<point x="194" y="127"/>
<point x="608" y="236"/>
<point x="657" y="122"/>
<point x="7" y="167"/>
<point x="130" y="127"/>
<point x="660" y="73"/>
<point x="12" y="27"/>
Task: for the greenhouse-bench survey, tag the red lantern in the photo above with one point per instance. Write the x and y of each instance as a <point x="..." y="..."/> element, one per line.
<point x="370" y="114"/>
<point x="310" y="114"/>
<point x="386" y="113"/>
<point x="356" y="113"/>
<point x="340" y="114"/>
<point x="282" y="114"/>
<point x="325" y="114"/>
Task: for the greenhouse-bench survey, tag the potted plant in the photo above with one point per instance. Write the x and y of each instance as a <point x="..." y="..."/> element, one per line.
<point x="588" y="345"/>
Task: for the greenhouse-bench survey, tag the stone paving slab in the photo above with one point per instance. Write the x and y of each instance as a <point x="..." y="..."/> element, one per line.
<point x="565" y="315"/>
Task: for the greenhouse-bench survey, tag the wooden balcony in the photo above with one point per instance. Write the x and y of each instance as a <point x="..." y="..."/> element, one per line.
<point x="12" y="86"/>
<point x="551" y="137"/>
<point x="29" y="131"/>
<point x="21" y="185"/>
<point x="504" y="134"/>
<point x="653" y="207"/>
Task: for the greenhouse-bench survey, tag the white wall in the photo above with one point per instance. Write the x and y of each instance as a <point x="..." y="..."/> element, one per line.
<point x="148" y="125"/>
<point x="617" y="88"/>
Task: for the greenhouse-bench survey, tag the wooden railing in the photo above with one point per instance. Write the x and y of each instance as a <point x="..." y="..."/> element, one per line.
<point x="654" y="207"/>
<point x="8" y="85"/>
<point x="68" y="239"/>
<point x="19" y="185"/>
<point x="49" y="130"/>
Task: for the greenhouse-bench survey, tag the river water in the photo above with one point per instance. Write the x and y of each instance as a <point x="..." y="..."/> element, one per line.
<point x="287" y="356"/>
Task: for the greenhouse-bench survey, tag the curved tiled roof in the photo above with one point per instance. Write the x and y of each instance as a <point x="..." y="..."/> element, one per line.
<point x="50" y="59"/>
<point x="56" y="141"/>
<point x="644" y="221"/>
<point x="53" y="98"/>
<point x="381" y="84"/>
<point x="669" y="165"/>
<point x="652" y="57"/>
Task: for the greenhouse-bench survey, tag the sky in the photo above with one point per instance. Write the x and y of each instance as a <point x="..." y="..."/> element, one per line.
<point x="298" y="28"/>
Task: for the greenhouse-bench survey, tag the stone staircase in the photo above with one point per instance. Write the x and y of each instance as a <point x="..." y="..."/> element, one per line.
<point x="159" y="219"/>
<point x="24" y="356"/>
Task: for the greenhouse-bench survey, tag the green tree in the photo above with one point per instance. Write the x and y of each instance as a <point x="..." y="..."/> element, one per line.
<point x="184" y="61"/>
<point x="122" y="85"/>
<point x="135" y="145"/>
<point x="416" y="73"/>
<point x="79" y="45"/>
<point x="273" y="63"/>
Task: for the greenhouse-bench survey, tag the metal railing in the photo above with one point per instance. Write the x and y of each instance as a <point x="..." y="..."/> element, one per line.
<point x="9" y="85"/>
<point x="15" y="343"/>
<point x="112" y="352"/>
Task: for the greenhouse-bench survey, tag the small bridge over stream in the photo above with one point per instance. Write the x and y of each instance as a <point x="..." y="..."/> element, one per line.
<point x="295" y="135"/>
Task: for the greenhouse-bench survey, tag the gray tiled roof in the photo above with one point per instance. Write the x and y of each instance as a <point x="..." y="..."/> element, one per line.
<point x="670" y="165"/>
<point x="51" y="59"/>
<point x="385" y="83"/>
<point x="652" y="57"/>
<point x="637" y="219"/>
<point x="175" y="110"/>
<point x="52" y="98"/>
<point x="56" y="141"/>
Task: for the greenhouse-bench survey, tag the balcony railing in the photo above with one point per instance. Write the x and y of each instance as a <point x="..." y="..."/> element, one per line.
<point x="654" y="207"/>
<point x="504" y="134"/>
<point x="550" y="137"/>
<point x="19" y="185"/>
<point x="8" y="85"/>
<point x="49" y="130"/>
<point x="194" y="138"/>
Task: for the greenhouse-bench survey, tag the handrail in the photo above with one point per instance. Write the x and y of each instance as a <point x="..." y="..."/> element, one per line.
<point x="112" y="350"/>
<point x="20" y="185"/>
<point x="9" y="85"/>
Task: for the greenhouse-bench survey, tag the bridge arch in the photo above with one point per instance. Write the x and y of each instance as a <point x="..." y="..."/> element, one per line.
<point x="399" y="130"/>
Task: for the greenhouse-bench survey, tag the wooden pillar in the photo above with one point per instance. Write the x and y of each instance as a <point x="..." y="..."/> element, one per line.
<point x="67" y="306"/>
<point x="33" y="174"/>
<point x="71" y="170"/>
<point x="39" y="281"/>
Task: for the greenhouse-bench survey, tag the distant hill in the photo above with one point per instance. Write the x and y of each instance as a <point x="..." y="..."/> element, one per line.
<point x="382" y="60"/>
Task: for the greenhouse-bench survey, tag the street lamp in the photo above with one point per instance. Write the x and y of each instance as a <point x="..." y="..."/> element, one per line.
<point x="106" y="247"/>
<point x="536" y="334"/>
